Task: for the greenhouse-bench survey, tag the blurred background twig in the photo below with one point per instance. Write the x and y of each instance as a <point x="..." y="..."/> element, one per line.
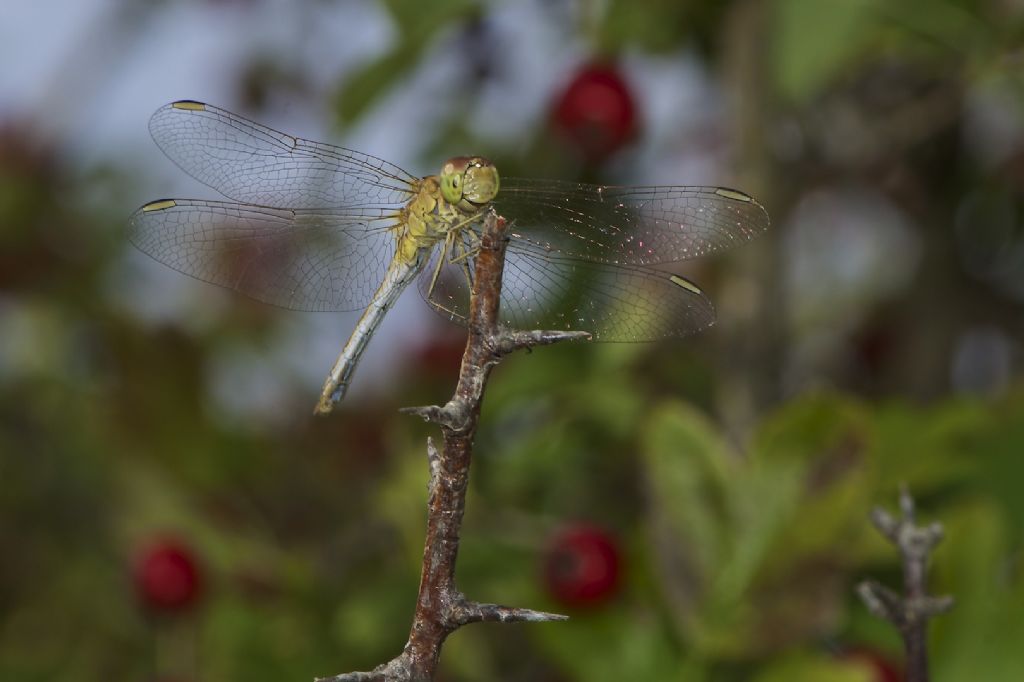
<point x="911" y="612"/>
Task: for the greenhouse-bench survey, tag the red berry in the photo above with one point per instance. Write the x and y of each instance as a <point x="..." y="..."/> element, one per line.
<point x="596" y="111"/>
<point x="883" y="668"/>
<point x="581" y="566"/>
<point x="167" y="577"/>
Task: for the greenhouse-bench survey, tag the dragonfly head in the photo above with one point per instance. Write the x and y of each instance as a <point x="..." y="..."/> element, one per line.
<point x="469" y="181"/>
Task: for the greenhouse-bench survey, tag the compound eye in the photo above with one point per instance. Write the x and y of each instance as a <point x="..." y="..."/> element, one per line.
<point x="451" y="187"/>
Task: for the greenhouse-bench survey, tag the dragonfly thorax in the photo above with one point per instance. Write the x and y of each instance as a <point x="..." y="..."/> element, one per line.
<point x="427" y="219"/>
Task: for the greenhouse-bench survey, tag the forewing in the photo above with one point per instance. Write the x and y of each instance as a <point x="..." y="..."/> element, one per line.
<point x="314" y="260"/>
<point x="628" y="225"/>
<point x="254" y="164"/>
<point x="613" y="302"/>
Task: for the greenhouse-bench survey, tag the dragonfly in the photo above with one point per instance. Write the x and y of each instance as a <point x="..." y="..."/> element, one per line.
<point x="316" y="227"/>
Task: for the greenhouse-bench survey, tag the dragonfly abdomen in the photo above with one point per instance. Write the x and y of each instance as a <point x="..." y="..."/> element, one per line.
<point x="399" y="274"/>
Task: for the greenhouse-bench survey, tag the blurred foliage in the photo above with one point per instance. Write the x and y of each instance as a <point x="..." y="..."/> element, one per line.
<point x="416" y="29"/>
<point x="849" y="35"/>
<point x="736" y="469"/>
<point x="750" y="552"/>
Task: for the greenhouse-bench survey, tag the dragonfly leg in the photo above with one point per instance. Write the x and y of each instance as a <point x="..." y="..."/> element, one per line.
<point x="442" y="258"/>
<point x="471" y="252"/>
<point x="463" y="258"/>
<point x="440" y="262"/>
<point x="454" y="252"/>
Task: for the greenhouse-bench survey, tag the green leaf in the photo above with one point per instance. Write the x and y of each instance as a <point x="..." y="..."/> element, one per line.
<point x="371" y="619"/>
<point x="815" y="668"/>
<point x="975" y="564"/>
<point x="829" y="437"/>
<point x="927" y="448"/>
<point x="401" y="501"/>
<point x="417" y="26"/>
<point x="795" y="511"/>
<point x="600" y="649"/>
<point x="367" y="84"/>
<point x="815" y="40"/>
<point x="688" y="469"/>
<point x="1001" y="470"/>
<point x="415" y="19"/>
<point x="656" y="25"/>
<point x="812" y="426"/>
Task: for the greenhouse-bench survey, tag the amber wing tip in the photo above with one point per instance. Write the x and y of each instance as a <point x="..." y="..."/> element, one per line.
<point x="188" y="105"/>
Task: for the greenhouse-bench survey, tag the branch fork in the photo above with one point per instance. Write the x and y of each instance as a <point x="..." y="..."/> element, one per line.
<point x="440" y="607"/>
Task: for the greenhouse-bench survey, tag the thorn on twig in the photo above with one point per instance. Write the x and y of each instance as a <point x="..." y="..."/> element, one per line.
<point x="451" y="416"/>
<point x="476" y="612"/>
<point x="907" y="504"/>
<point x="429" y="413"/>
<point x="353" y="677"/>
<point x="393" y="671"/>
<point x="510" y="340"/>
<point x="881" y="601"/>
<point x="903" y="613"/>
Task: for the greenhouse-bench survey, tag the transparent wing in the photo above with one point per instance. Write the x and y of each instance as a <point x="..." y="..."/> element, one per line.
<point x="542" y="290"/>
<point x="251" y="163"/>
<point x="303" y="259"/>
<point x="628" y="225"/>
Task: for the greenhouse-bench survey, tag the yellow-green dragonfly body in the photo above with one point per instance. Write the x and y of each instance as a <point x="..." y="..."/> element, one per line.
<point x="317" y="227"/>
